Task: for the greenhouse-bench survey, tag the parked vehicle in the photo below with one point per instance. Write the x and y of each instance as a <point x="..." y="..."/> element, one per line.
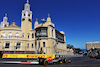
<point x="92" y="53"/>
<point x="80" y="52"/>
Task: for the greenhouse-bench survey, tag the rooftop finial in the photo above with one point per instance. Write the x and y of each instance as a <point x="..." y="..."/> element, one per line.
<point x="48" y="15"/>
<point x="5" y="15"/>
<point x="27" y="1"/>
<point x="48" y="18"/>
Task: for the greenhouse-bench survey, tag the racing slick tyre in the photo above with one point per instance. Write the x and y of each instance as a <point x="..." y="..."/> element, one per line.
<point x="60" y="62"/>
<point x="46" y="63"/>
<point x="66" y="61"/>
<point x="41" y="61"/>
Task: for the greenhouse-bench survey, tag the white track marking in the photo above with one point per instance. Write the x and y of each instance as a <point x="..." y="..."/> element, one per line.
<point x="80" y="65"/>
<point x="18" y="62"/>
<point x="10" y="62"/>
<point x="81" y="61"/>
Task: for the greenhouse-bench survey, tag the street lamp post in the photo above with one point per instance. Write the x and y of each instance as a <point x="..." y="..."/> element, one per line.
<point x="43" y="21"/>
<point x="14" y="49"/>
<point x="55" y="47"/>
<point x="25" y="50"/>
<point x="3" y="50"/>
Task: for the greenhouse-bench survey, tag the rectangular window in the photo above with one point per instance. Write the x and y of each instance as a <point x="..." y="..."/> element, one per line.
<point x="32" y="35"/>
<point x="7" y="45"/>
<point x="27" y="45"/>
<point x="39" y="44"/>
<point x="18" y="45"/>
<point x="32" y="45"/>
<point x="9" y="36"/>
<point x="59" y="35"/>
<point x="43" y="44"/>
<point x="41" y="32"/>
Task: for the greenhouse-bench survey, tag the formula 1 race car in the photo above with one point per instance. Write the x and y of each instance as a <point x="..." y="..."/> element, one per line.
<point x="36" y="59"/>
<point x="46" y="61"/>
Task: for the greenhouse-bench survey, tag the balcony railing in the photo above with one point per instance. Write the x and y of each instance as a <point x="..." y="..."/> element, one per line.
<point x="11" y="37"/>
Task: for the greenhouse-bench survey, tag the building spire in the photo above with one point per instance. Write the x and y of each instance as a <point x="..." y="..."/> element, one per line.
<point x="4" y="23"/>
<point x="48" y="15"/>
<point x="36" y="22"/>
<point x="36" y="19"/>
<point x="5" y="18"/>
<point x="48" y="18"/>
<point x="27" y="1"/>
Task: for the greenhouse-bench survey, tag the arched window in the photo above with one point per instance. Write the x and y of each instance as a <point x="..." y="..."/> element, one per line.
<point x="10" y="34"/>
<point x="29" y="15"/>
<point x="32" y="35"/>
<point x="52" y="33"/>
<point x="30" y="20"/>
<point x="17" y="34"/>
<point x="5" y="26"/>
<point x="43" y="44"/>
<point x="24" y="14"/>
<point x="3" y="35"/>
<point x="23" y="19"/>
<point x="32" y="45"/>
<point x="22" y="35"/>
<point x="28" y="36"/>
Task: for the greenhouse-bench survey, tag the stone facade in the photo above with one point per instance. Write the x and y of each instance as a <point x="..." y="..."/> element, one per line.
<point x="44" y="36"/>
<point x="92" y="45"/>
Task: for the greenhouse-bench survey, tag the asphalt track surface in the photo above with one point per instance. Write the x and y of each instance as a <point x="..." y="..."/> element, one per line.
<point x="76" y="62"/>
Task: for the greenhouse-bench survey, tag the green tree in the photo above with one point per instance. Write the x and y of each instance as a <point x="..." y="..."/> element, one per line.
<point x="72" y="46"/>
<point x="69" y="45"/>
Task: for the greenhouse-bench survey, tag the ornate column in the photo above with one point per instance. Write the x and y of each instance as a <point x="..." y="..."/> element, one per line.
<point x="10" y="45"/>
<point x="21" y="46"/>
<point x="4" y="46"/>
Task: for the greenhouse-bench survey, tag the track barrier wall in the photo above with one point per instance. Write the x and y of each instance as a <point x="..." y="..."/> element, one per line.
<point x="26" y="56"/>
<point x="30" y="50"/>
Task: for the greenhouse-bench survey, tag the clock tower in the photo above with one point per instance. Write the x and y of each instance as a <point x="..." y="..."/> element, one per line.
<point x="26" y="22"/>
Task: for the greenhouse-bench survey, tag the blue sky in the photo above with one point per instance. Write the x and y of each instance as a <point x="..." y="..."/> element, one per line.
<point x="79" y="19"/>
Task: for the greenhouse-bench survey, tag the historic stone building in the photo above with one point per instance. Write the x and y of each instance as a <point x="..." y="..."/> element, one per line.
<point x="92" y="45"/>
<point x="24" y="39"/>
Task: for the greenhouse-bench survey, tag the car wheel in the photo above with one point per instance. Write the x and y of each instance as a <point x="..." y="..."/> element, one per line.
<point x="46" y="63"/>
<point x="66" y="61"/>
